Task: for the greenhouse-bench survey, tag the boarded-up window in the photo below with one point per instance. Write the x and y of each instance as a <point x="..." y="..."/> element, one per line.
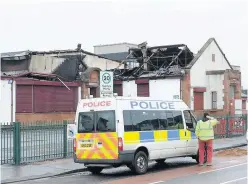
<point x="198" y="100"/>
<point x="118" y="89"/>
<point x="214" y="100"/>
<point x="143" y="90"/>
<point x="24" y="103"/>
<point x="55" y="99"/>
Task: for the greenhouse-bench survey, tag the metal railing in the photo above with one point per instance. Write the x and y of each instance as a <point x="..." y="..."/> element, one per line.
<point x="231" y="126"/>
<point x="40" y="141"/>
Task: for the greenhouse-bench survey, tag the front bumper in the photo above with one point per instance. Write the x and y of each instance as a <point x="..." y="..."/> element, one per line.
<point x="125" y="157"/>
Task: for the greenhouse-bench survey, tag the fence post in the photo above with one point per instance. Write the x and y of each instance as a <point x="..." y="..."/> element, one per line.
<point x="227" y="126"/>
<point x="65" y="138"/>
<point x="17" y="143"/>
<point x="246" y="123"/>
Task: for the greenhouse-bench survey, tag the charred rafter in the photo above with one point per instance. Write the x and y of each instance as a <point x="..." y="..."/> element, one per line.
<point x="160" y="61"/>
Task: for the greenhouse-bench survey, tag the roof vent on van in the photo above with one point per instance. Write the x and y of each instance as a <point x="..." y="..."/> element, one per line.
<point x="115" y="94"/>
<point x="91" y="96"/>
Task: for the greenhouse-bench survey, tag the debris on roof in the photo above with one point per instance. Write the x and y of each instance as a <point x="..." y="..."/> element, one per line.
<point x="158" y="61"/>
<point x="22" y="55"/>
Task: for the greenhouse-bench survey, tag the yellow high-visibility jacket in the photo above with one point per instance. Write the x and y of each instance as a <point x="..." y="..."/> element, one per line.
<point x="204" y="129"/>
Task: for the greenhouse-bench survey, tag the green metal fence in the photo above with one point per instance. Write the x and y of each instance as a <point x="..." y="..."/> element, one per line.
<point x="39" y="141"/>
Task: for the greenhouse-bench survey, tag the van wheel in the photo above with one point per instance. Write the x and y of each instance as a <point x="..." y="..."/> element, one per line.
<point x="95" y="170"/>
<point x="140" y="163"/>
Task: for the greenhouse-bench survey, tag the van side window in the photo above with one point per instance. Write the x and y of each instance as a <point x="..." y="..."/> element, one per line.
<point x="128" y="125"/>
<point x="175" y="120"/>
<point x="140" y="120"/>
<point x="189" y="119"/>
<point x="178" y="119"/>
<point x="143" y="120"/>
<point x="163" y="122"/>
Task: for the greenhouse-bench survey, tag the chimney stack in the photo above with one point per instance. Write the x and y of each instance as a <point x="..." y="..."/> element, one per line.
<point x="79" y="47"/>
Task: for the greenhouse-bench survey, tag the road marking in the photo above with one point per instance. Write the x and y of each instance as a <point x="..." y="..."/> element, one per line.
<point x="222" y="168"/>
<point x="156" y="182"/>
<point x="229" y="161"/>
<point x="233" y="180"/>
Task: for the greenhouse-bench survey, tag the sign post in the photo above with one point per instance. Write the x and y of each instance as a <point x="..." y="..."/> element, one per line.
<point x="106" y="84"/>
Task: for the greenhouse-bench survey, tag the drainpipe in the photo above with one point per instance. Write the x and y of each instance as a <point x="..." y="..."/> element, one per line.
<point x="12" y="100"/>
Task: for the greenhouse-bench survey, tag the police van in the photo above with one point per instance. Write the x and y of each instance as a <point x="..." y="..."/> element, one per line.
<point x="132" y="131"/>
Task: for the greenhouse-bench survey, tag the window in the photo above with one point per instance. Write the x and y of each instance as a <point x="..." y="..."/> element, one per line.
<point x="244" y="104"/>
<point x="213" y="57"/>
<point x="104" y="121"/>
<point x="214" y="100"/>
<point x="93" y="92"/>
<point x="118" y="89"/>
<point x="189" y="119"/>
<point x="170" y="120"/>
<point x="152" y="120"/>
<point x="128" y="125"/>
<point x="144" y="120"/>
<point x="143" y="90"/>
<point x="163" y="122"/>
<point x="178" y="119"/>
<point x="86" y="122"/>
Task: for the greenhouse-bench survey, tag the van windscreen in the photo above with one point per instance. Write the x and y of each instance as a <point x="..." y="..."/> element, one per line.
<point x="97" y="121"/>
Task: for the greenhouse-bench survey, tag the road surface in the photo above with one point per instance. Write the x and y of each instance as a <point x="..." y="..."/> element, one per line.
<point x="225" y="170"/>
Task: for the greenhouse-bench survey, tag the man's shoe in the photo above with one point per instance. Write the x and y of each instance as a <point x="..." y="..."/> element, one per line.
<point x="200" y="164"/>
<point x="209" y="164"/>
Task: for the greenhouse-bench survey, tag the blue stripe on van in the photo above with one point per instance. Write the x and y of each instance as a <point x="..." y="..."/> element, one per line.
<point x="147" y="136"/>
<point x="173" y="135"/>
<point x="193" y="136"/>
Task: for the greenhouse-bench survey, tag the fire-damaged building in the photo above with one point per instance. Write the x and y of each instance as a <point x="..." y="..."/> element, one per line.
<point x="206" y="81"/>
<point x="47" y="85"/>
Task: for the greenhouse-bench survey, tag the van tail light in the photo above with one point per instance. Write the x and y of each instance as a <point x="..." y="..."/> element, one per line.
<point x="120" y="144"/>
<point x="74" y="145"/>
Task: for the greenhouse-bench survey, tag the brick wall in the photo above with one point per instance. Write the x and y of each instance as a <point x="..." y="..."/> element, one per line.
<point x="34" y="117"/>
<point x="185" y="88"/>
<point x="93" y="80"/>
<point x="230" y="78"/>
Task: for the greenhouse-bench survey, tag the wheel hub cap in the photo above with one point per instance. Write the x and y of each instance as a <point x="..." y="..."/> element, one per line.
<point x="141" y="162"/>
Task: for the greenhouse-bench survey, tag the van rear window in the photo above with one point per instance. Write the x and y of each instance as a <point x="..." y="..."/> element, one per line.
<point x="97" y="121"/>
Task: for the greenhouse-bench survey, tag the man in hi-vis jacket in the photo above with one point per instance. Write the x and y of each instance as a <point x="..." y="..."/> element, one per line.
<point x="205" y="134"/>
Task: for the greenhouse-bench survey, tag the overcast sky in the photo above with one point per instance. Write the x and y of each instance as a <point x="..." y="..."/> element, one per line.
<point x="43" y="25"/>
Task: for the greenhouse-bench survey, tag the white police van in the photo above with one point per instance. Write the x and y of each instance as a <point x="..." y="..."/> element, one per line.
<point x="132" y="131"/>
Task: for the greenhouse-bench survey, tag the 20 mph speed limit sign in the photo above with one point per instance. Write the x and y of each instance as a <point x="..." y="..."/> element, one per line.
<point x="106" y="84"/>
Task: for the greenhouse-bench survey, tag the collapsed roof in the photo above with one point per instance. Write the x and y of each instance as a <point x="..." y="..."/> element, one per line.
<point x="158" y="61"/>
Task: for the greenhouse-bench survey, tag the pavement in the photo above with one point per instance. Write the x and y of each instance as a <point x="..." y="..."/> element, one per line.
<point x="42" y="171"/>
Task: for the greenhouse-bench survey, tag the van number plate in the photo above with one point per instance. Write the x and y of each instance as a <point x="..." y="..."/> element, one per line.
<point x="86" y="143"/>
